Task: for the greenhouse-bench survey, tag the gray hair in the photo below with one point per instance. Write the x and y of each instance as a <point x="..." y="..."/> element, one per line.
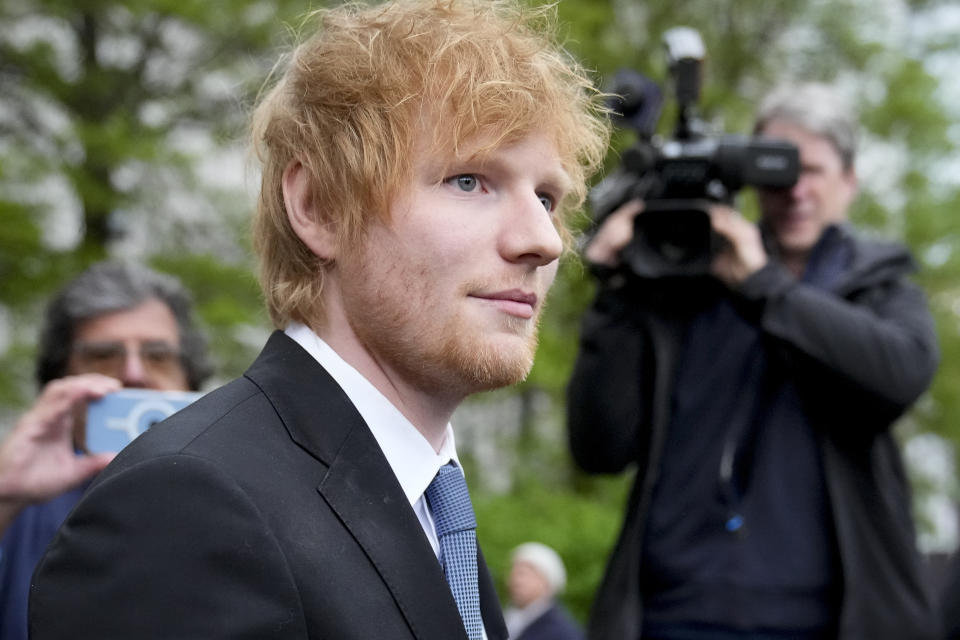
<point x="819" y="109"/>
<point x="108" y="287"/>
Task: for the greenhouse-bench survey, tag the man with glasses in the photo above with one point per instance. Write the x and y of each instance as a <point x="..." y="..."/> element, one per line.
<point x="116" y="325"/>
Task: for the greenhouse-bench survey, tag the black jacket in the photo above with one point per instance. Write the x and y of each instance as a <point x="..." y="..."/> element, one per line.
<point x="265" y="510"/>
<point x="860" y="354"/>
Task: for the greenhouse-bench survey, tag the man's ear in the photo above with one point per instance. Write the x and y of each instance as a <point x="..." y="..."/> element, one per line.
<point x="306" y="221"/>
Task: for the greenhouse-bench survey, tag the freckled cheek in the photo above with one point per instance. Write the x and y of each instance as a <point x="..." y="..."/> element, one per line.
<point x="453" y="247"/>
<point x="435" y="266"/>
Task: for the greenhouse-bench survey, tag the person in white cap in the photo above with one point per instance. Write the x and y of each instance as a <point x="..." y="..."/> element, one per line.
<point x="537" y="576"/>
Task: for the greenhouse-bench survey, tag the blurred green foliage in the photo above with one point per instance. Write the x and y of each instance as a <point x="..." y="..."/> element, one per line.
<point x="579" y="525"/>
<point x="107" y="112"/>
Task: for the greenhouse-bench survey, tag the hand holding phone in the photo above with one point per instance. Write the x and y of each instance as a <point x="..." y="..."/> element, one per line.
<point x="116" y="419"/>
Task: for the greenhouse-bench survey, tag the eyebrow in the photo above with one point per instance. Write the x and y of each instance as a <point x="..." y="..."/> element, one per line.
<point x="560" y="180"/>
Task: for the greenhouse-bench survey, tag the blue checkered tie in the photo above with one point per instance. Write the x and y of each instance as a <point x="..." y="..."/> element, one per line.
<point x="456" y="529"/>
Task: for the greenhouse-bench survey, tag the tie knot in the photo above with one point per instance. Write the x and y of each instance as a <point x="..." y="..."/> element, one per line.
<point x="450" y="501"/>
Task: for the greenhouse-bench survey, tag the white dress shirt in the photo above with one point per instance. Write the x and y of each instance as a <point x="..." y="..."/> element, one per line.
<point x="410" y="456"/>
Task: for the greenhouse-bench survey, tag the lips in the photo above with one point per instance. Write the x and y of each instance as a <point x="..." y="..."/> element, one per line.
<point x="515" y="302"/>
<point x="514" y="294"/>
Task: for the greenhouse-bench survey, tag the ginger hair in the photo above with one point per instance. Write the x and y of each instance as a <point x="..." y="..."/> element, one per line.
<point x="354" y="96"/>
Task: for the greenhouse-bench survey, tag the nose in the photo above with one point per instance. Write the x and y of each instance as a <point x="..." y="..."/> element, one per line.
<point x="799" y="188"/>
<point x="530" y="235"/>
<point x="134" y="372"/>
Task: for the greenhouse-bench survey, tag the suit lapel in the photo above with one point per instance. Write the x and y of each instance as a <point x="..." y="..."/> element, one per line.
<point x="361" y="488"/>
<point x="315" y="411"/>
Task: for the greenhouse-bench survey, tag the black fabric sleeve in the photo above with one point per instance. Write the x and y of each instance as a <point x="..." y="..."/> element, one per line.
<point x="169" y="548"/>
<point x="880" y="343"/>
<point x="605" y="398"/>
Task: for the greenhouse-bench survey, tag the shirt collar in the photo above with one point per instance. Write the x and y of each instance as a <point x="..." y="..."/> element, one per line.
<point x="409" y="454"/>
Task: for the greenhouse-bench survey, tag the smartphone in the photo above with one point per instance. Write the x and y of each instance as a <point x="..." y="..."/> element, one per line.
<point x="117" y="418"/>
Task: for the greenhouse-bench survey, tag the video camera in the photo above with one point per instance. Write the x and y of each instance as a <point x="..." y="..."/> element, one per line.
<point x="679" y="178"/>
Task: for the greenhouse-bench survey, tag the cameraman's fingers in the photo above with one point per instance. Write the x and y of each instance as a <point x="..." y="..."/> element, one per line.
<point x="742" y="234"/>
<point x="744" y="254"/>
<point x="48" y="415"/>
<point x="37" y="459"/>
<point x="86" y="466"/>
<point x="613" y="235"/>
<point x="725" y="220"/>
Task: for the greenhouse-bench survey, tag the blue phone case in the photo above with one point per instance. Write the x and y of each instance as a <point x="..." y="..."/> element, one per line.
<point x="116" y="419"/>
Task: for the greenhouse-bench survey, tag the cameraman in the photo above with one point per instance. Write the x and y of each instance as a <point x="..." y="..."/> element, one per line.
<point x="757" y="402"/>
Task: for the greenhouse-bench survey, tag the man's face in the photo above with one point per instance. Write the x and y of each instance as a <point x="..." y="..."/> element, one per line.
<point x="824" y="190"/>
<point x="447" y="296"/>
<point x="526" y="584"/>
<point x="139" y="346"/>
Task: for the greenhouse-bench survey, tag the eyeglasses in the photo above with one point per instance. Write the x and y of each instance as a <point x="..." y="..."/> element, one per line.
<point x="109" y="358"/>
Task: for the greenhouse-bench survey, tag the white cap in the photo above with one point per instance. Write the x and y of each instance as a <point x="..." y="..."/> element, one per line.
<point x="546" y="561"/>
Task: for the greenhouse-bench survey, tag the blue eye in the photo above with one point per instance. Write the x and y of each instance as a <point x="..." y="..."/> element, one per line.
<point x="466" y="182"/>
<point x="547" y="202"/>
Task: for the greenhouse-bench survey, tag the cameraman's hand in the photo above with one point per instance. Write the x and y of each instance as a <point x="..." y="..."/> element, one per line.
<point x="613" y="235"/>
<point x="743" y="254"/>
<point x="37" y="458"/>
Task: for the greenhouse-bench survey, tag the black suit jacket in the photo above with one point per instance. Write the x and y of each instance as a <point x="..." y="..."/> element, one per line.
<point x="264" y="510"/>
